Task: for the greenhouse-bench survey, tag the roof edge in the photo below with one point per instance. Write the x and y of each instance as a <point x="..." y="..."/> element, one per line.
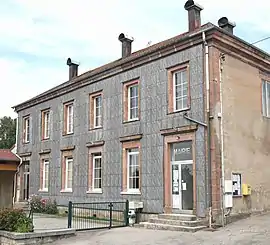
<point x="158" y="47"/>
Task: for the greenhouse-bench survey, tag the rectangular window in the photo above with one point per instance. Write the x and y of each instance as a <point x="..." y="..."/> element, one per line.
<point x="133" y="170"/>
<point x="266" y="98"/>
<point x="131" y="101"/>
<point x="237" y="184"/>
<point x="68" y="173"/>
<point x="45" y="117"/>
<point x="68" y="118"/>
<point x="95" y="110"/>
<point x="97" y="179"/>
<point x="178" y="89"/>
<point x="26" y="130"/>
<point x="180" y="93"/>
<point x="45" y="184"/>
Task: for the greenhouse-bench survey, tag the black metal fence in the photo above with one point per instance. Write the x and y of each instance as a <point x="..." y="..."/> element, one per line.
<point x="97" y="215"/>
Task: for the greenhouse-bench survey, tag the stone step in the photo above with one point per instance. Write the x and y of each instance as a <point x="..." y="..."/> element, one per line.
<point x="154" y="226"/>
<point x="189" y="223"/>
<point x="183" y="217"/>
<point x="21" y="205"/>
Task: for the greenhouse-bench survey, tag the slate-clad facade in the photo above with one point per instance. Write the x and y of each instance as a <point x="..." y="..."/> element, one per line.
<point x="148" y="127"/>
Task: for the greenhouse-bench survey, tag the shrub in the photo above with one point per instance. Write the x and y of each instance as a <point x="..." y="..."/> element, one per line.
<point x="15" y="220"/>
<point x="40" y="205"/>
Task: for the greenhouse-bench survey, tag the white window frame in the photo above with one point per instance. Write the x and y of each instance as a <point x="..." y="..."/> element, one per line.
<point x="95" y="111"/>
<point x="129" y="102"/>
<point x="46" y="118"/>
<point x="95" y="157"/>
<point x="70" y="115"/>
<point x="68" y="160"/>
<point x="45" y="163"/>
<point x="26" y="128"/>
<point x="184" y="107"/>
<point x="265" y="99"/>
<point x="132" y="153"/>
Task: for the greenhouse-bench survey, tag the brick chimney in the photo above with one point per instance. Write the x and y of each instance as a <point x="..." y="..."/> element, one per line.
<point x="194" y="15"/>
<point x="73" y="68"/>
<point x="226" y="25"/>
<point x="126" y="44"/>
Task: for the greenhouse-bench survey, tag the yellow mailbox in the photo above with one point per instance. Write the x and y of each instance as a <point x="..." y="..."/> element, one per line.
<point x="246" y="189"/>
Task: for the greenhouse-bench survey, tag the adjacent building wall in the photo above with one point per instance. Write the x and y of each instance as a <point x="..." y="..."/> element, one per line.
<point x="246" y="133"/>
<point x="6" y="189"/>
<point x="154" y="106"/>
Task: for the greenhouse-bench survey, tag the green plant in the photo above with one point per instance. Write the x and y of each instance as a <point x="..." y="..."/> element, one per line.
<point x="36" y="203"/>
<point x="15" y="220"/>
<point x="50" y="207"/>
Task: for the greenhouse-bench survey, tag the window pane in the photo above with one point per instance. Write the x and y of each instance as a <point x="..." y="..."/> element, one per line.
<point x="133" y="91"/>
<point x="97" y="173"/>
<point x="133" y="102"/>
<point x="264" y="98"/>
<point x="134" y="113"/>
<point x="97" y="184"/>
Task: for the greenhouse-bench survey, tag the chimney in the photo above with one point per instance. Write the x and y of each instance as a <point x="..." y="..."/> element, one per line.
<point x="194" y="15"/>
<point x="226" y="25"/>
<point x="73" y="68"/>
<point x="126" y="44"/>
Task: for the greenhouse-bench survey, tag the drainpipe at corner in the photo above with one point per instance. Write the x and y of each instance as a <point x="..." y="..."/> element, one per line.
<point x="18" y="168"/>
<point x="222" y="140"/>
<point x="207" y="83"/>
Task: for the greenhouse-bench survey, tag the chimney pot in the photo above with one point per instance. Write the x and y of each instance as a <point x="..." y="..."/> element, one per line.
<point x="126" y="44"/>
<point x="194" y="15"/>
<point x="226" y="25"/>
<point x="73" y="68"/>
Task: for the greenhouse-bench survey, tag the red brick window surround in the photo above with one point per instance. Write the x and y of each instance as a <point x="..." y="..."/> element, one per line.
<point x="68" y="118"/>
<point x="131" y="100"/>
<point x="26" y="129"/>
<point x="178" y="88"/>
<point x="67" y="171"/>
<point x="96" y="112"/>
<point x="44" y="174"/>
<point x="45" y="124"/>
<point x="95" y="170"/>
<point x="131" y="167"/>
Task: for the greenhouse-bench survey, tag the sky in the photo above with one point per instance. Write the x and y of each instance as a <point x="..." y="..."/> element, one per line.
<point x="37" y="36"/>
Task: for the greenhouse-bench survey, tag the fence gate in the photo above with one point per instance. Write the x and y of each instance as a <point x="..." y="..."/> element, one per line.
<point x="97" y="215"/>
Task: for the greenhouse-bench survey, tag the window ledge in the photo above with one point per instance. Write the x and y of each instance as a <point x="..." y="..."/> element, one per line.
<point x="43" y="190"/>
<point x="131" y="121"/>
<point x="95" y="128"/>
<point x="178" y="111"/>
<point x="94" y="192"/>
<point x="131" y="192"/>
<point x="66" y="191"/>
<point x="67" y="134"/>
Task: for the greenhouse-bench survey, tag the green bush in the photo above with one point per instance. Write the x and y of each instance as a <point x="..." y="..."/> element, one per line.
<point x="15" y="220"/>
<point x="40" y="205"/>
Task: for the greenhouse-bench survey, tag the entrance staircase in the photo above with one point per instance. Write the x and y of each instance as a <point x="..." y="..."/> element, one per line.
<point x="175" y="222"/>
<point x="21" y="205"/>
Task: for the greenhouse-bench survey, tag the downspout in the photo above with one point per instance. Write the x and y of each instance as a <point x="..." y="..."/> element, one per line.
<point x="222" y="139"/>
<point x="207" y="82"/>
<point x="18" y="168"/>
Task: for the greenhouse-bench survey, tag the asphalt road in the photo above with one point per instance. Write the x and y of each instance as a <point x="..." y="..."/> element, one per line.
<point x="252" y="231"/>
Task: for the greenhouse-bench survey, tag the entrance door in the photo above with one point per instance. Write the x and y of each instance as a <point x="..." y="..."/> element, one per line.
<point x="26" y="182"/>
<point x="182" y="185"/>
<point x="182" y="176"/>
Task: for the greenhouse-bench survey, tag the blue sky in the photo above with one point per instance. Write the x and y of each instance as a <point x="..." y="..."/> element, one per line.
<point x="38" y="36"/>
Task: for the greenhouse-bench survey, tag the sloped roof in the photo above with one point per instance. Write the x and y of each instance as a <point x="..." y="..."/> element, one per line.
<point x="7" y="156"/>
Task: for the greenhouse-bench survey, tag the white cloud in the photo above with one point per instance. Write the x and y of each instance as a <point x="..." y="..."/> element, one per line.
<point x="88" y="30"/>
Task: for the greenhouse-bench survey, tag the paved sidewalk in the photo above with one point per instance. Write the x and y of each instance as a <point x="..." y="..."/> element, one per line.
<point x="251" y="231"/>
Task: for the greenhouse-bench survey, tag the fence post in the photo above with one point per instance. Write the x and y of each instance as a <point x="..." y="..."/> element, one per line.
<point x="69" y="214"/>
<point x="110" y="206"/>
<point x="126" y="213"/>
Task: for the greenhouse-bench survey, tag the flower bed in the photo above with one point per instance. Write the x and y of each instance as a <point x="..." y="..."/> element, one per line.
<point x="42" y="205"/>
<point x="15" y="220"/>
